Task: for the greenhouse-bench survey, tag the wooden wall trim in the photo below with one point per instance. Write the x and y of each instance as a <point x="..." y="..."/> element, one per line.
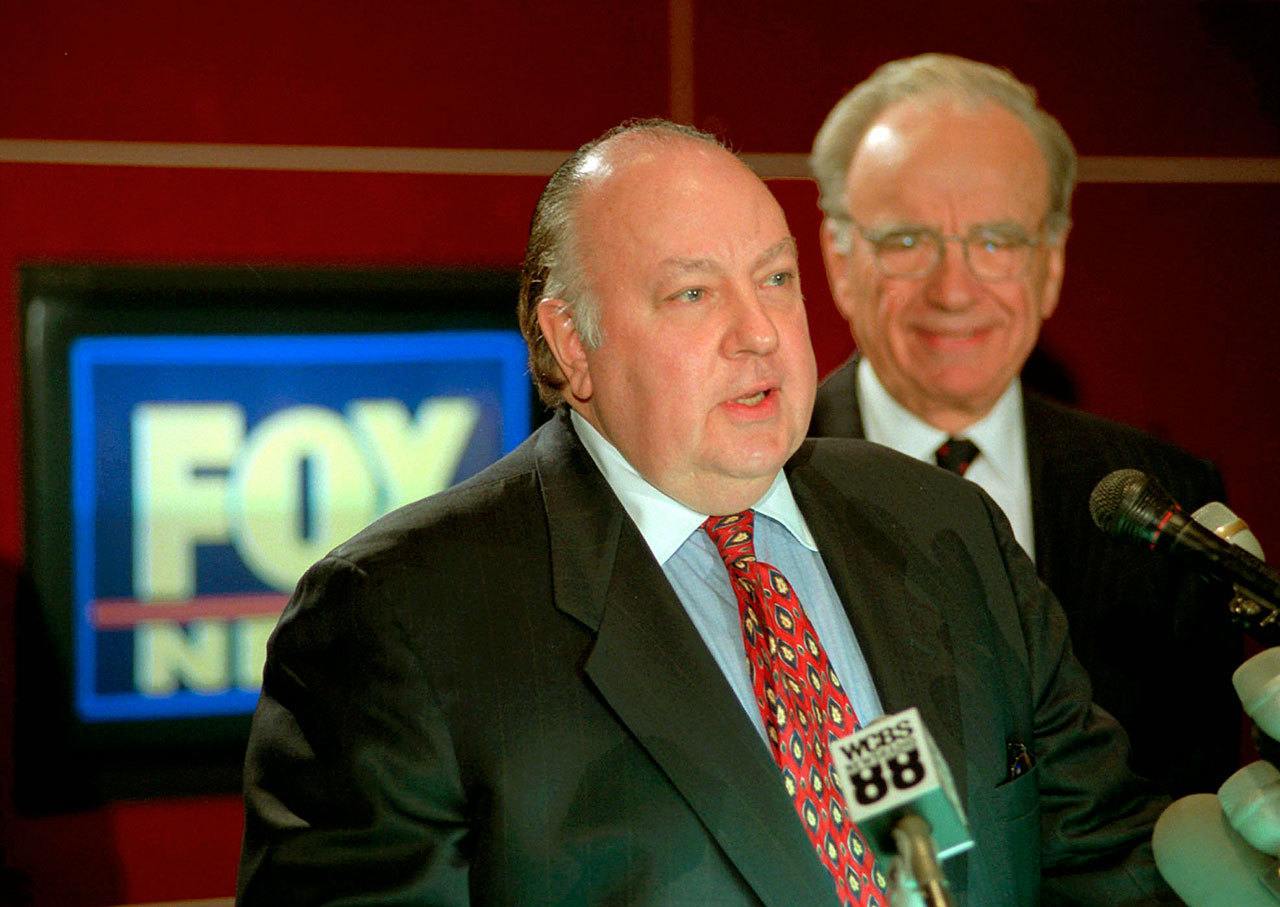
<point x="541" y="162"/>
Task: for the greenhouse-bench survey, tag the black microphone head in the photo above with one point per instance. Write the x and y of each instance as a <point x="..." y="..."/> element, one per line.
<point x="1131" y="504"/>
<point x="1108" y="495"/>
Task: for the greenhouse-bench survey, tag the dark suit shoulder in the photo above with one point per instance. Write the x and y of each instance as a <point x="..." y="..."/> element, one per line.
<point x="835" y="408"/>
<point x="438" y="530"/>
<point x="837" y="455"/>
<point x="857" y="472"/>
<point x="1104" y="445"/>
<point x="427" y="576"/>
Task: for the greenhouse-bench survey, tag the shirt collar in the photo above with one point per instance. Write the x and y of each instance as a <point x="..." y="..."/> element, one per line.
<point x="998" y="434"/>
<point x="663" y="521"/>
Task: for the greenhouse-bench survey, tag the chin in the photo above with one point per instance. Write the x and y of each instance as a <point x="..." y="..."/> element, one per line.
<point x="964" y="383"/>
<point x="761" y="464"/>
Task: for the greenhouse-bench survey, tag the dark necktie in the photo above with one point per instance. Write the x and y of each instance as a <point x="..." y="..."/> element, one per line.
<point x="956" y="455"/>
<point x="803" y="705"/>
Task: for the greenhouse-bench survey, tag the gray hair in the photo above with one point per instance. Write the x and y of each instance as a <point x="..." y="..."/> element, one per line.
<point x="552" y="267"/>
<point x="939" y="76"/>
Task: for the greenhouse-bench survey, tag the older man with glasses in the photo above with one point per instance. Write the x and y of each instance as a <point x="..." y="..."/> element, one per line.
<point x="946" y="192"/>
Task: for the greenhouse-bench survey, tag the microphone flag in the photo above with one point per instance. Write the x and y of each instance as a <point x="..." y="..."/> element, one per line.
<point x="891" y="768"/>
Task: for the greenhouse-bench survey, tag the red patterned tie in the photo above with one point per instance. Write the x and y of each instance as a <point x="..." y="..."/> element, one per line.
<point x="803" y="705"/>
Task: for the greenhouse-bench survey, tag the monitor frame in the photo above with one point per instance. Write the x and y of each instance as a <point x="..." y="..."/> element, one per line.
<point x="62" y="761"/>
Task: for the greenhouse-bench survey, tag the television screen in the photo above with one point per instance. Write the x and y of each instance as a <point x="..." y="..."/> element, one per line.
<point x="194" y="439"/>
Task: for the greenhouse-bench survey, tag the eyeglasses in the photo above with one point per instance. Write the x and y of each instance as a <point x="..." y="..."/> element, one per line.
<point x="992" y="252"/>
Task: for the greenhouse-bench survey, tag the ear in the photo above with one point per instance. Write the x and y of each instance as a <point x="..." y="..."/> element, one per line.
<point x="566" y="346"/>
<point x="837" y="262"/>
<point x="1055" y="268"/>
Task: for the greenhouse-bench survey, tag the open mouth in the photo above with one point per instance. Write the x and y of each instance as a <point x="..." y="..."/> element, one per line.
<point x="752" y="399"/>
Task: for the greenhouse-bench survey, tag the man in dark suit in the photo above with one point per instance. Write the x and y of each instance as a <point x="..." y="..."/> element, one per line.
<point x="570" y="679"/>
<point x="946" y="192"/>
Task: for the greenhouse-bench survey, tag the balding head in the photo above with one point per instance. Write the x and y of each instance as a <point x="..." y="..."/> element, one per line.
<point x="552" y="265"/>
<point x="700" y="373"/>
<point x="946" y="80"/>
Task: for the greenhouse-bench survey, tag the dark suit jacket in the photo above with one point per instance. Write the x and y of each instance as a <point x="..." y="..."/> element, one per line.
<point x="1155" y="640"/>
<point x="493" y="696"/>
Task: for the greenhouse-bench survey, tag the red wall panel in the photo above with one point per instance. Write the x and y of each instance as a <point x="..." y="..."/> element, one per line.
<point x="1169" y="322"/>
<point x="392" y="73"/>
<point x="1143" y="77"/>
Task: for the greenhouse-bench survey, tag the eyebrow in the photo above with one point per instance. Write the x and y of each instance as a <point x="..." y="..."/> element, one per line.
<point x="1001" y="225"/>
<point x="783" y="246"/>
<point x="909" y="226"/>
<point x="703" y="265"/>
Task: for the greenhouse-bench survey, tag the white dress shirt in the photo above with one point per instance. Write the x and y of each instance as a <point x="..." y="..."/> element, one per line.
<point x="1001" y="467"/>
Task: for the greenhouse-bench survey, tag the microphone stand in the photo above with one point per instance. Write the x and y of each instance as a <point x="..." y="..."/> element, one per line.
<point x="918" y="859"/>
<point x="1256" y="616"/>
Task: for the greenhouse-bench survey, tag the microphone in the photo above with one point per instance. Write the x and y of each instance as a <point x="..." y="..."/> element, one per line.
<point x="1222" y="521"/>
<point x="900" y="793"/>
<point x="1130" y="504"/>
<point x="1250" y="800"/>
<point x="1257" y="683"/>
<point x="1207" y="862"/>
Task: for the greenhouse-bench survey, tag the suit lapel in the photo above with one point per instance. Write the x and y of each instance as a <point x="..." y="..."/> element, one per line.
<point x="911" y="663"/>
<point x="1050" y="469"/>
<point x="856" y="429"/>
<point x="652" y="667"/>
<point x="895" y="604"/>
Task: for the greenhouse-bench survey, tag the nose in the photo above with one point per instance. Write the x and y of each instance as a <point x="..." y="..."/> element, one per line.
<point x="751" y="328"/>
<point x="952" y="285"/>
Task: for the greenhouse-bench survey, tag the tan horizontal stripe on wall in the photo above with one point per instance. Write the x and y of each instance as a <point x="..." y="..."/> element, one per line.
<point x="1095" y="169"/>
<point x="1179" y="170"/>
<point x="517" y="162"/>
<point x="484" y="161"/>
